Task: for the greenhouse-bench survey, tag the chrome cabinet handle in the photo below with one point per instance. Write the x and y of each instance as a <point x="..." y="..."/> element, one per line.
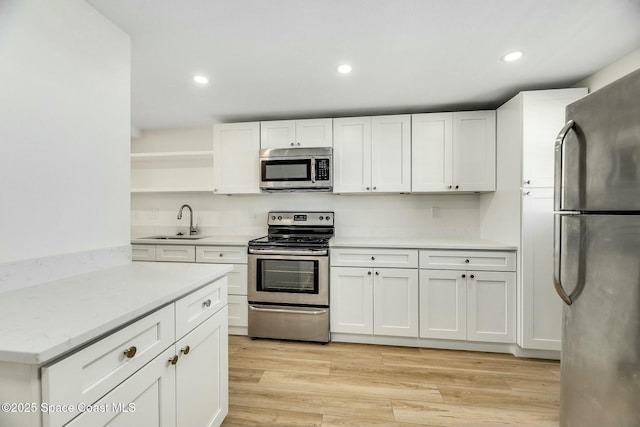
<point x="557" y="253"/>
<point x="221" y="255"/>
<point x="457" y="186"/>
<point x="185" y="350"/>
<point x="450" y="187"/>
<point x="369" y="273"/>
<point x="559" y="164"/>
<point x="368" y="188"/>
<point x="292" y="144"/>
<point x="377" y="273"/>
<point x="207" y="303"/>
<point x="130" y="352"/>
<point x="464" y="275"/>
<point x="373" y="258"/>
<point x="473" y="276"/>
<point x="173" y="360"/>
<point x="466" y="261"/>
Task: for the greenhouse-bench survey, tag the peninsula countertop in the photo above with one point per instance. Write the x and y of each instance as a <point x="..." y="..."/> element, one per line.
<point x="40" y="323"/>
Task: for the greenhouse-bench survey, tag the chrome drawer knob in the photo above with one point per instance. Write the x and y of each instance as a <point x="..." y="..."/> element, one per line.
<point x="207" y="303"/>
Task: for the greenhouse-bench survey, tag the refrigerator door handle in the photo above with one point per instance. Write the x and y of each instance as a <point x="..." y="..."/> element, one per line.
<point x="557" y="255"/>
<point x="559" y="163"/>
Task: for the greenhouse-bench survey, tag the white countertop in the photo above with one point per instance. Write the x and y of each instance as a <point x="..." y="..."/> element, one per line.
<point x="213" y="240"/>
<point x="419" y="243"/>
<point x="42" y="322"/>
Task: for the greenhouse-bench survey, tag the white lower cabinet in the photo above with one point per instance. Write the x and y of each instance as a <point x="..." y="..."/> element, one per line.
<point x="164" y="253"/>
<point x="169" y="368"/>
<point x="236" y="256"/>
<point x="379" y="301"/>
<point x="471" y="305"/>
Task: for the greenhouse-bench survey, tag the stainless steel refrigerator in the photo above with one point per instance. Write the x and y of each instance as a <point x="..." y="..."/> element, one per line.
<point x="597" y="256"/>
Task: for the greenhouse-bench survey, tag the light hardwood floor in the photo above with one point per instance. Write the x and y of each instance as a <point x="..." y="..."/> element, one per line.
<point x="280" y="383"/>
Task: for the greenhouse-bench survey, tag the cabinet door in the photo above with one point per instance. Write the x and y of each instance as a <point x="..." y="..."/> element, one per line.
<point x="238" y="311"/>
<point x="491" y="306"/>
<point x="314" y="133"/>
<point x="474" y="151"/>
<point x="543" y="115"/>
<point x="431" y="152"/>
<point x="202" y="397"/>
<point x="236" y="149"/>
<point x="147" y="398"/>
<point x="176" y="253"/>
<point x="395" y="297"/>
<point x="443" y="304"/>
<point x="391" y="153"/>
<point x="352" y="155"/>
<point x="143" y="252"/>
<point x="277" y="134"/>
<point x="541" y="307"/>
<point x="351" y="300"/>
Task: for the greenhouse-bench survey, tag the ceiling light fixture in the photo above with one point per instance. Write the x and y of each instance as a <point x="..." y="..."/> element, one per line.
<point x="512" y="56"/>
<point x="344" y="69"/>
<point x="202" y="80"/>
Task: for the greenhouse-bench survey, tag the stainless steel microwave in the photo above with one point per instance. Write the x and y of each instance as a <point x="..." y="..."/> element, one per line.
<point x="296" y="169"/>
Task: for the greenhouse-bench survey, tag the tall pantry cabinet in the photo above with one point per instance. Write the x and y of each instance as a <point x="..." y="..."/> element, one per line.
<point x="521" y="210"/>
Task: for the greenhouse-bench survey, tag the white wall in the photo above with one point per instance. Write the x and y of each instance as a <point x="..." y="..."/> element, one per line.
<point x="612" y="72"/>
<point x="64" y="130"/>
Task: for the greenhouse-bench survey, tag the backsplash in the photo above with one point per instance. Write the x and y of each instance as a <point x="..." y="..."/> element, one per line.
<point x="394" y="215"/>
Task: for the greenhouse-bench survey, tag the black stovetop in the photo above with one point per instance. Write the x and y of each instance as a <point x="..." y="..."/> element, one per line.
<point x="294" y="240"/>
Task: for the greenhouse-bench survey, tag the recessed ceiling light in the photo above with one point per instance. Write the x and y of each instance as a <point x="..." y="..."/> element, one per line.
<point x="344" y="69"/>
<point x="202" y="80"/>
<point x="512" y="56"/>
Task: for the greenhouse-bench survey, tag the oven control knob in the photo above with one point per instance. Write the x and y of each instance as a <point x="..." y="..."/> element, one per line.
<point x="327" y="218"/>
<point x="273" y="217"/>
<point x="279" y="218"/>
<point x="321" y="218"/>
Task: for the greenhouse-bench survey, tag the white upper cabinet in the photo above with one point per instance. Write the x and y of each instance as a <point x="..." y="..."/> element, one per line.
<point x="296" y="133"/>
<point x="542" y="118"/>
<point x="236" y="148"/>
<point x="432" y="145"/>
<point x="372" y="154"/>
<point x="454" y="151"/>
<point x="352" y="154"/>
<point x="391" y="153"/>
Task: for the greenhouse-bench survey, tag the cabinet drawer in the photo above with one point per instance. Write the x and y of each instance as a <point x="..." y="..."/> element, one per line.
<point x="367" y="257"/>
<point x="176" y="253"/>
<point x="221" y="254"/>
<point x="468" y="260"/>
<point x="199" y="305"/>
<point x="89" y="374"/>
<point x="143" y="252"/>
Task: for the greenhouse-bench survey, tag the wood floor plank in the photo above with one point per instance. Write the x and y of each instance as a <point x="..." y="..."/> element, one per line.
<point x="312" y="402"/>
<point x="427" y="375"/>
<point x="444" y="414"/>
<point x="509" y="399"/>
<point x="251" y="416"/>
<point x="352" y="385"/>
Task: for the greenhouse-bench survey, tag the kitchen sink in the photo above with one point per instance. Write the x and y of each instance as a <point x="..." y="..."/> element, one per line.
<point x="175" y="237"/>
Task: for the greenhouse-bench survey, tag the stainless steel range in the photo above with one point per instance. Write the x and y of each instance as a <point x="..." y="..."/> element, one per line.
<point x="288" y="281"/>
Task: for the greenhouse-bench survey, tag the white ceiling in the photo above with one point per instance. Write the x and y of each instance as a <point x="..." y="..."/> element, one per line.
<point x="269" y="59"/>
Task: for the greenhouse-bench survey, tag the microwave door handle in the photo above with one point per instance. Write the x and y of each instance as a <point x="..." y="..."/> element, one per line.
<point x="313" y="170"/>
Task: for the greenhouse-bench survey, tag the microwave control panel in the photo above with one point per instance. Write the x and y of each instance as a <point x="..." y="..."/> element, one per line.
<point x="322" y="169"/>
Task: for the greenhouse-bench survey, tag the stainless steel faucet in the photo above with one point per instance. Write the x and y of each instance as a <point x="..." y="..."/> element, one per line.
<point x="192" y="230"/>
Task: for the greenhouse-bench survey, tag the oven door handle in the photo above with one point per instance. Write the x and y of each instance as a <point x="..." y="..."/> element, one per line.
<point x="304" y="252"/>
<point x="286" y="310"/>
